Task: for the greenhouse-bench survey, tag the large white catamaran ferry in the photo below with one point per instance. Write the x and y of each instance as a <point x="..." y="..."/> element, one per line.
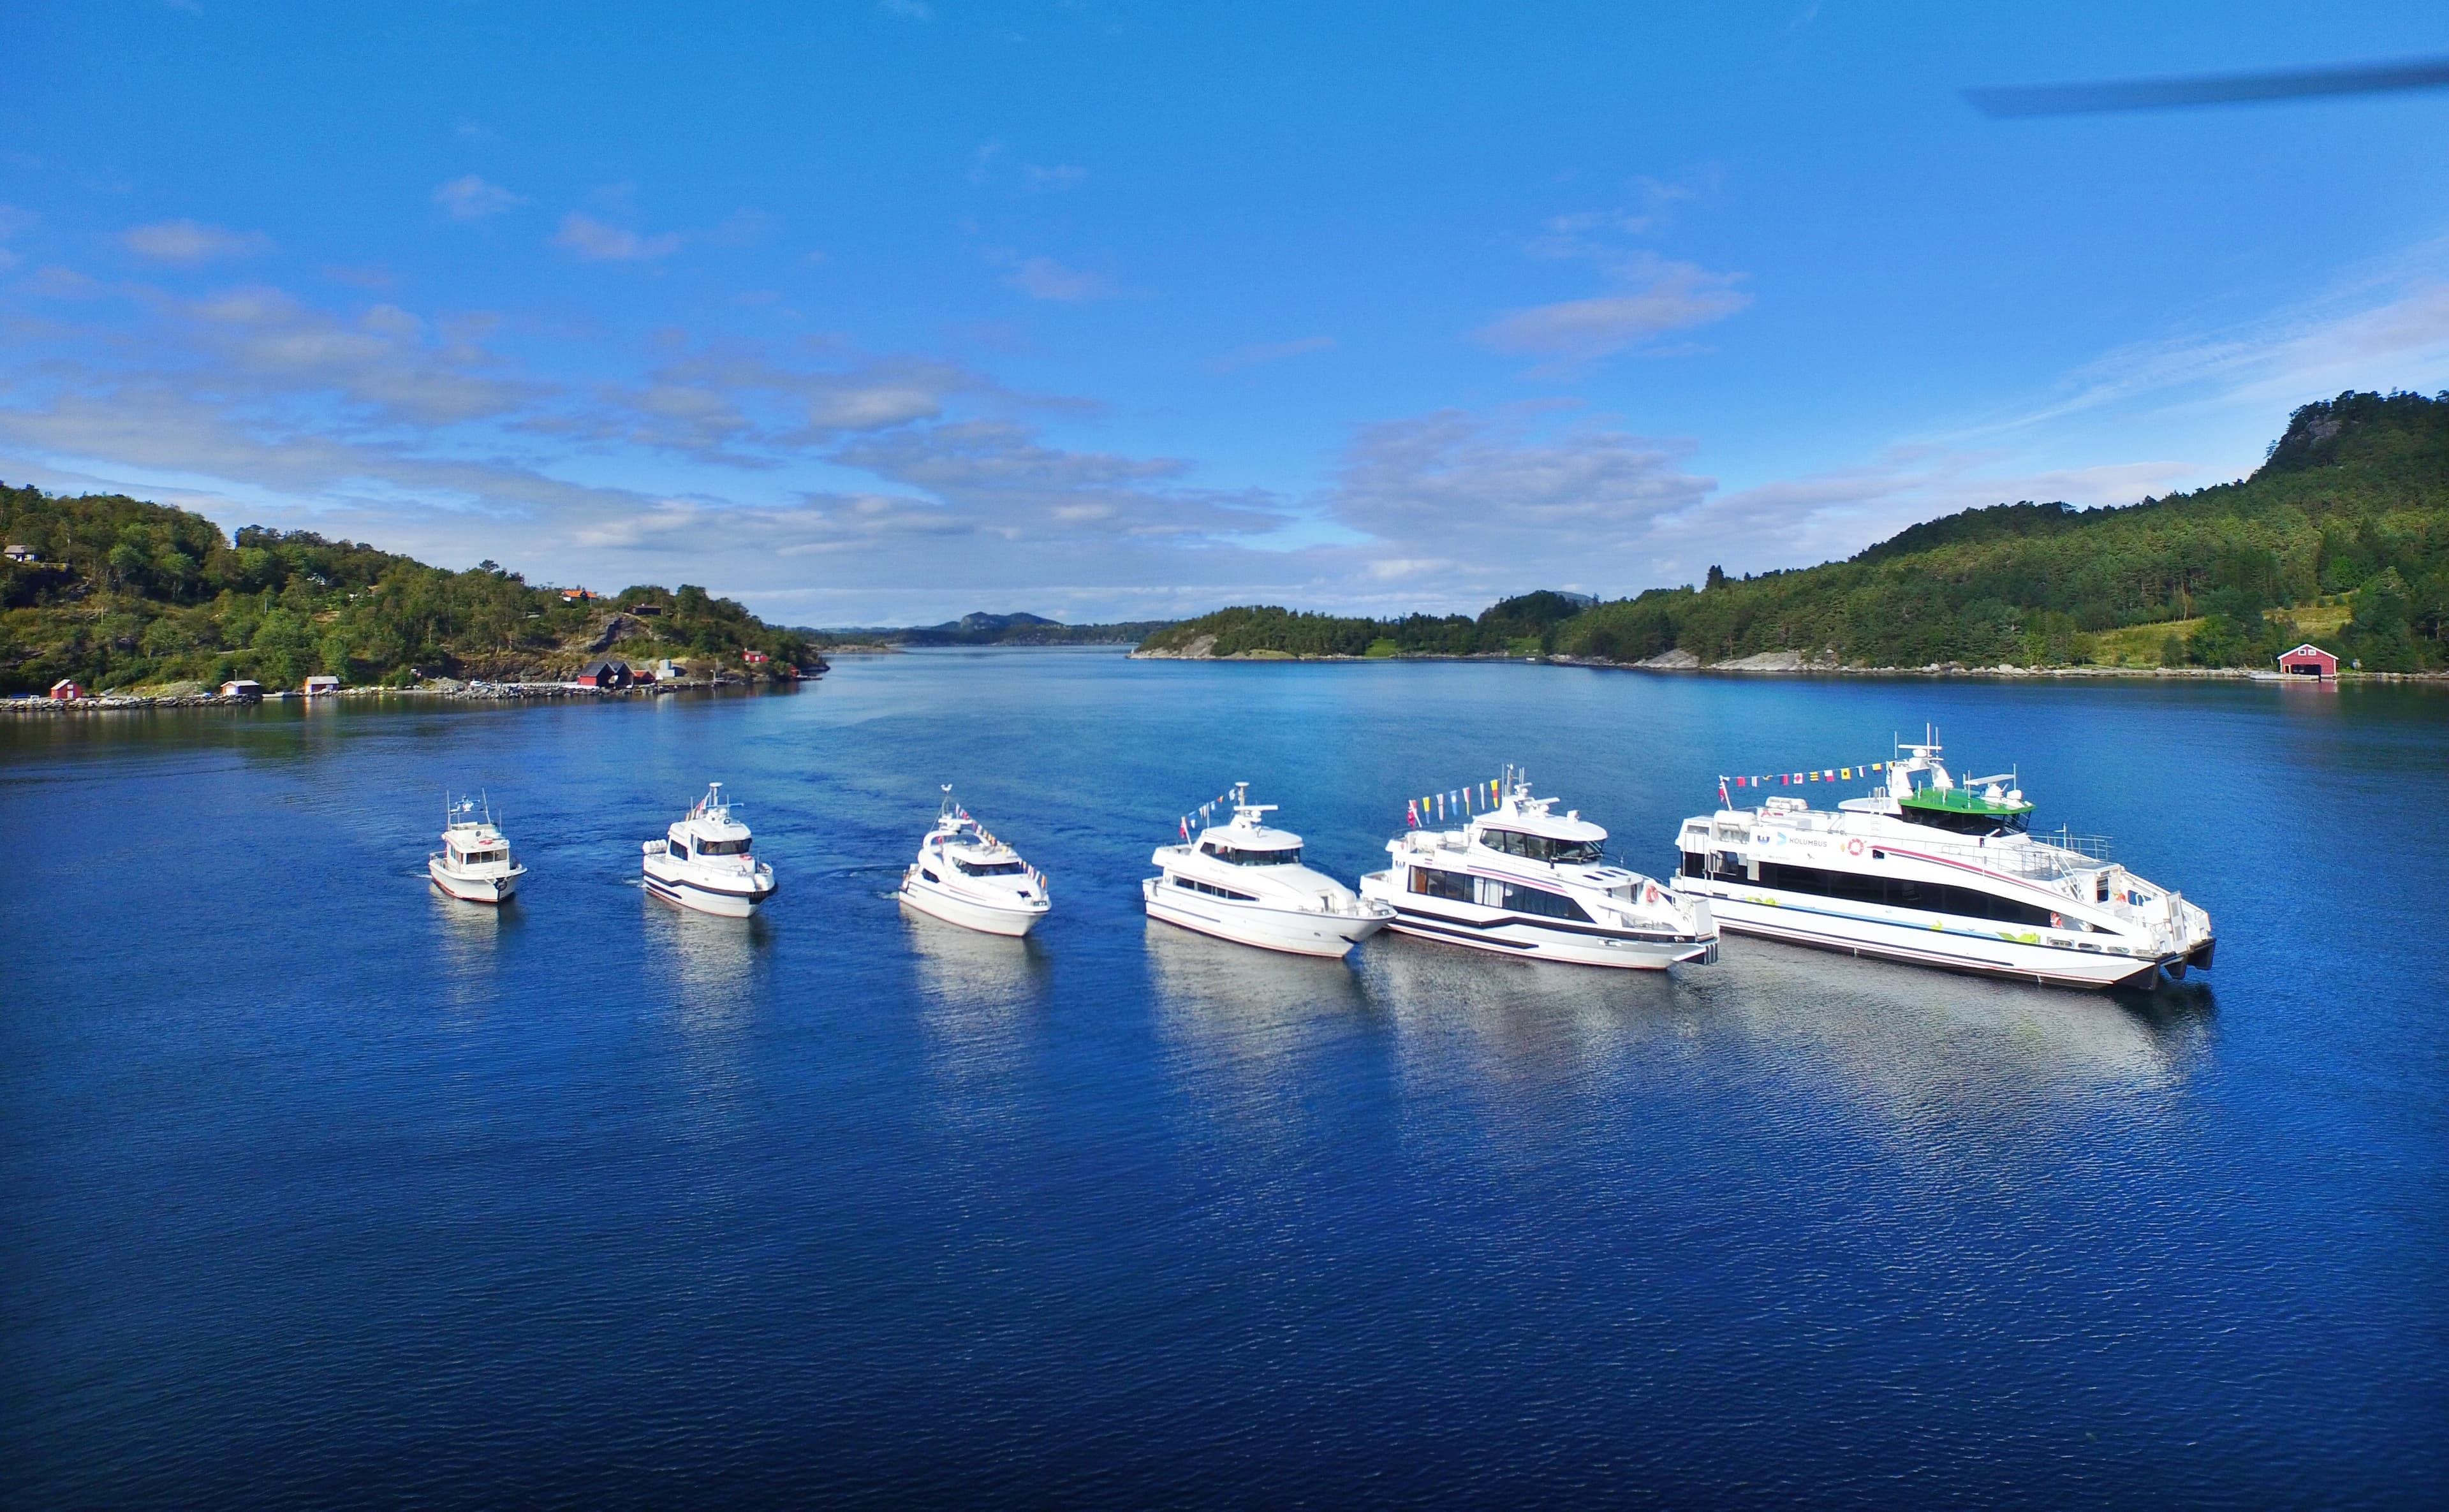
<point x="1939" y="873"/>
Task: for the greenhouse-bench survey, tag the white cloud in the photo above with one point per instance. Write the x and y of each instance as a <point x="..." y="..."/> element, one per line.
<point x="191" y="242"/>
<point x="1055" y="179"/>
<point x="1672" y="297"/>
<point x="1260" y="354"/>
<point x="586" y="238"/>
<point x="470" y="198"/>
<point x="1557" y="503"/>
<point x="1044" y="278"/>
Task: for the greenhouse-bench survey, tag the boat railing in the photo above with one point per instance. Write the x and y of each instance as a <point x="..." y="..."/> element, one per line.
<point x="2049" y="859"/>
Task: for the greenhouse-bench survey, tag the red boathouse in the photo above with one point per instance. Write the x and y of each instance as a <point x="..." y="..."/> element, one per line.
<point x="2309" y="661"/>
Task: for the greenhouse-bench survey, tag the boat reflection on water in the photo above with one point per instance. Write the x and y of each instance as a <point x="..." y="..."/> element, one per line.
<point x="715" y="964"/>
<point x="1910" y="1044"/>
<point x="969" y="970"/>
<point x="980" y="997"/>
<point x="467" y="935"/>
<point x="1245" y="1003"/>
<point x="1500" y="1019"/>
<point x="1916" y="1044"/>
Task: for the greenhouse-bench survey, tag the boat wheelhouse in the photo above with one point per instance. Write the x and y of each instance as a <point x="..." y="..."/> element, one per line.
<point x="475" y="864"/>
<point x="964" y="876"/>
<point x="1524" y="880"/>
<point x="1929" y="870"/>
<point x="702" y="861"/>
<point x="1245" y="882"/>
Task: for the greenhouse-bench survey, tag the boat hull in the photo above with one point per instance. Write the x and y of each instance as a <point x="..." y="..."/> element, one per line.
<point x="496" y="890"/>
<point x="1294" y="931"/>
<point x="1500" y="934"/>
<point x="1964" y="945"/>
<point x="683" y="892"/>
<point x="969" y="913"/>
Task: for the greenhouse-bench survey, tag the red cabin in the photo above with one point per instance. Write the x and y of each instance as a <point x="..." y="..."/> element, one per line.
<point x="2309" y="661"/>
<point x="66" y="691"/>
<point x="755" y="659"/>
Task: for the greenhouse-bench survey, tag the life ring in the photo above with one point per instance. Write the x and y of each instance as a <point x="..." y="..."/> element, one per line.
<point x="1853" y="848"/>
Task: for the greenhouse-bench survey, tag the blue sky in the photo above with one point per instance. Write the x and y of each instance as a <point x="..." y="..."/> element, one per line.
<point x="881" y="313"/>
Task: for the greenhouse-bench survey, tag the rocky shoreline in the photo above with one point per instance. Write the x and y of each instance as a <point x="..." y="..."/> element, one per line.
<point x="1794" y="664"/>
<point x="448" y="689"/>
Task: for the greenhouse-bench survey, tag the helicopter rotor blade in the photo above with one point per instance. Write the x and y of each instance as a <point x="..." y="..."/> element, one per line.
<point x="2221" y="88"/>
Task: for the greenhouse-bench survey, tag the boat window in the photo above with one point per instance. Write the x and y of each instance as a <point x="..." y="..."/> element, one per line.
<point x="1694" y="865"/>
<point x="930" y="875"/>
<point x="480" y="858"/>
<point x="1896" y="893"/>
<point x="991" y="869"/>
<point x="1255" y="858"/>
<point x="677" y="847"/>
<point x="1541" y="848"/>
<point x="1532" y="900"/>
<point x="1214" y="892"/>
<point x="722" y="847"/>
<point x="1434" y="883"/>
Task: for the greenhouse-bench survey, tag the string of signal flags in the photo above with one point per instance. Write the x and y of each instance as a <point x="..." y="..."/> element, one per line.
<point x="1787" y="779"/>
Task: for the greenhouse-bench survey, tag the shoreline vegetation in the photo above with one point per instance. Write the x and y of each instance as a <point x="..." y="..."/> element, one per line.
<point x="2340" y="537"/>
<point x="124" y="597"/>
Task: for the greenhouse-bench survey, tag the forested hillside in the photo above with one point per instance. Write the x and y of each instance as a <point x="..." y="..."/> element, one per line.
<point x="122" y="593"/>
<point x="2341" y="535"/>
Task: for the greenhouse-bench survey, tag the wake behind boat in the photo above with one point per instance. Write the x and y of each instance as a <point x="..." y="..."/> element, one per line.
<point x="1244" y="882"/>
<point x="703" y="862"/>
<point x="966" y="876"/>
<point x="475" y="864"/>
<point x="1941" y="874"/>
<point x="1521" y="879"/>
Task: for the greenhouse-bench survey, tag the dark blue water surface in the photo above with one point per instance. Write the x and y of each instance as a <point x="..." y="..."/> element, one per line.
<point x="316" y="1188"/>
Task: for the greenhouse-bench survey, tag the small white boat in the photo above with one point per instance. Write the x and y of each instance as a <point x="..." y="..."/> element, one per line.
<point x="474" y="863"/>
<point x="1523" y="880"/>
<point x="1245" y="882"/>
<point x="703" y="862"/>
<point x="966" y="876"/>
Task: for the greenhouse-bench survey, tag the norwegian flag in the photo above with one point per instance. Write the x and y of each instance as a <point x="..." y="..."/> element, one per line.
<point x="1186" y="827"/>
<point x="1412" y="813"/>
<point x="1722" y="801"/>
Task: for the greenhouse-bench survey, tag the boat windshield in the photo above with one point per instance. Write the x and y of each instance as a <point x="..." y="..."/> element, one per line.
<point x="991" y="869"/>
<point x="1288" y="857"/>
<point x="1541" y="848"/>
<point x="722" y="847"/>
<point x="480" y="858"/>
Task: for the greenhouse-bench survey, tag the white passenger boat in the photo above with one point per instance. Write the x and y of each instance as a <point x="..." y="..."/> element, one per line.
<point x="702" y="861"/>
<point x="474" y="863"/>
<point x="966" y="876"/>
<point x="1523" y="880"/>
<point x="1938" y="873"/>
<point x="1245" y="882"/>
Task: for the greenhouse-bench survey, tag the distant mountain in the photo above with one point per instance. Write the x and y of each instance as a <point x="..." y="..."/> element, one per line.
<point x="993" y="629"/>
<point x="2343" y="534"/>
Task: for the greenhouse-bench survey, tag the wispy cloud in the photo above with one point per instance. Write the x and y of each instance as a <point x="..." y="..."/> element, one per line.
<point x="1044" y="278"/>
<point x="1260" y="354"/>
<point x="471" y="198"/>
<point x="1053" y="178"/>
<point x="1670" y="296"/>
<point x="192" y="241"/>
<point x="594" y="241"/>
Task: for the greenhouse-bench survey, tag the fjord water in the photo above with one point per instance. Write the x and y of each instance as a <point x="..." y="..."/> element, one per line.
<point x="316" y="1188"/>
